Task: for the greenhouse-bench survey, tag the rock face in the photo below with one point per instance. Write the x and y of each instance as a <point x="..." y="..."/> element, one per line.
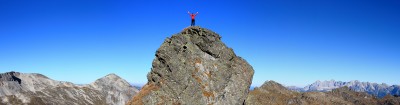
<point x="36" y="89"/>
<point x="272" y="93"/>
<point x="195" y="67"/>
<point x="379" y="90"/>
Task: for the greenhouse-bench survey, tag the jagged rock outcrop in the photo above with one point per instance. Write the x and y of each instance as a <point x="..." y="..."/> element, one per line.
<point x="36" y="89"/>
<point x="272" y="93"/>
<point x="196" y="67"/>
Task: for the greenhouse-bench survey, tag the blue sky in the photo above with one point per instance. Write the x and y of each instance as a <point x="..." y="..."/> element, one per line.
<point x="293" y="42"/>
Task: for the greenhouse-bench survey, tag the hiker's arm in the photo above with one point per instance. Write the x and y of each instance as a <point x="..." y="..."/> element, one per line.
<point x="188" y="12"/>
<point x="197" y="13"/>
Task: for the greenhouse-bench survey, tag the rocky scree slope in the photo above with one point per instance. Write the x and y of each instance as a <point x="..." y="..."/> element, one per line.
<point x="36" y="89"/>
<point x="196" y="67"/>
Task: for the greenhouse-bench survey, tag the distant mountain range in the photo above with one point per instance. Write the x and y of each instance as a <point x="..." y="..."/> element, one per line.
<point x="36" y="89"/>
<point x="273" y="93"/>
<point x="379" y="90"/>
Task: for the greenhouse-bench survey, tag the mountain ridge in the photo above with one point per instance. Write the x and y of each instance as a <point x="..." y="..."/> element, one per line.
<point x="273" y="93"/>
<point x="379" y="90"/>
<point x="38" y="89"/>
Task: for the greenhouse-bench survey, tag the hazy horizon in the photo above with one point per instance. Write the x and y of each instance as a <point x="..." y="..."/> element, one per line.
<point x="291" y="42"/>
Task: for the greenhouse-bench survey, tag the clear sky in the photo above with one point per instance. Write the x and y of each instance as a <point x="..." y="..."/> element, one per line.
<point x="293" y="42"/>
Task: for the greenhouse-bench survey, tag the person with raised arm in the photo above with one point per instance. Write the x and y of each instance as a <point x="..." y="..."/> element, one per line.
<point x="192" y="15"/>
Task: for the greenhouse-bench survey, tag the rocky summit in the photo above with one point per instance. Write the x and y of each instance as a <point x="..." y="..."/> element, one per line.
<point x="36" y="89"/>
<point x="195" y="67"/>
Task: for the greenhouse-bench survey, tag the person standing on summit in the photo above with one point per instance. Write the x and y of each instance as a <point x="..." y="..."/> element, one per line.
<point x="192" y="15"/>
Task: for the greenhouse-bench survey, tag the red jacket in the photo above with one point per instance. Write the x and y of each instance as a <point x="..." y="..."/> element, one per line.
<point x="192" y="15"/>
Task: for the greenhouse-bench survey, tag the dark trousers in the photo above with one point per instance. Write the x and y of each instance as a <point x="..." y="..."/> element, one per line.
<point x="193" y="22"/>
